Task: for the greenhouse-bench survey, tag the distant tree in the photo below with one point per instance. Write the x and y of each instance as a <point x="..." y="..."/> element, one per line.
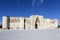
<point x="0" y="25"/>
<point x="58" y="26"/>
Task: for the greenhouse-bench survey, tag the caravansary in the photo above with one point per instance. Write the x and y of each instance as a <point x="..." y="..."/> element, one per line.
<point x="33" y="22"/>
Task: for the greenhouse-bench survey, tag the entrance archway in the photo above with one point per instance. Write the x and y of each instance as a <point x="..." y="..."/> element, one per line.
<point x="37" y="23"/>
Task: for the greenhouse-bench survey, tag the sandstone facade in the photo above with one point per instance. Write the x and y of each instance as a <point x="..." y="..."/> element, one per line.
<point x="33" y="22"/>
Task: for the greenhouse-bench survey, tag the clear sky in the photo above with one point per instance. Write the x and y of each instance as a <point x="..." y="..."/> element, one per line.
<point x="47" y="8"/>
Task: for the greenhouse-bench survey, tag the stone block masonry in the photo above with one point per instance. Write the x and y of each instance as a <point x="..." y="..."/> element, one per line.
<point x="33" y="22"/>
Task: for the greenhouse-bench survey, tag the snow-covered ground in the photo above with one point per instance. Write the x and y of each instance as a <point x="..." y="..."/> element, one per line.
<point x="43" y="34"/>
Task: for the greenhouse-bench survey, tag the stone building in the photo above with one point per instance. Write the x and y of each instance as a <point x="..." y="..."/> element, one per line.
<point x="33" y="22"/>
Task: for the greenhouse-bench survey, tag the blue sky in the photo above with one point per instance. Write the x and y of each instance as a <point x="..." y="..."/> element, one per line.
<point x="47" y="8"/>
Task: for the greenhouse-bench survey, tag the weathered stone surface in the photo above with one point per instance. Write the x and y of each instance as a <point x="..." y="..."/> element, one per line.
<point x="34" y="22"/>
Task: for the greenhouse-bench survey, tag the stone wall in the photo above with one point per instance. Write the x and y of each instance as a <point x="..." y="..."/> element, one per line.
<point x="34" y="22"/>
<point x="14" y="23"/>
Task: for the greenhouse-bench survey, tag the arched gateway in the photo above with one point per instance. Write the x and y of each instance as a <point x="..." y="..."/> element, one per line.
<point x="37" y="23"/>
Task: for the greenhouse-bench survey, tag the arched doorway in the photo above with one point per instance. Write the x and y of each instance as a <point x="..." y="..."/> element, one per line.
<point x="37" y="23"/>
